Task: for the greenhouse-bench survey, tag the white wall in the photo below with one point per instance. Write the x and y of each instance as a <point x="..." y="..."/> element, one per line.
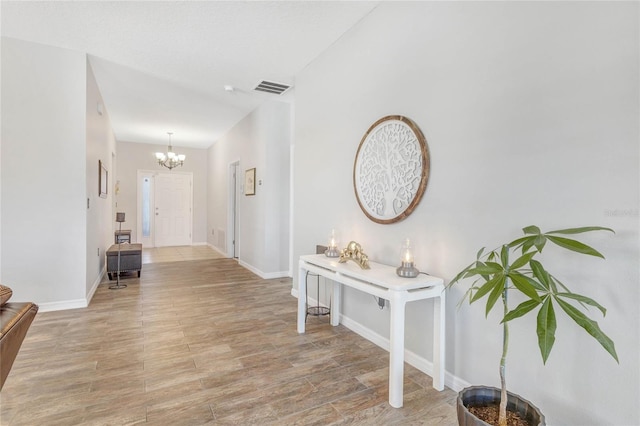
<point x="132" y="157"/>
<point x="44" y="220"/>
<point x="531" y="114"/>
<point x="260" y="140"/>
<point x="100" y="147"/>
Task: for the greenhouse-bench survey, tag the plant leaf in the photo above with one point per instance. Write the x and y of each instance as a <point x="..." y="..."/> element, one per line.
<point x="524" y="286"/>
<point x="584" y="299"/>
<point x="504" y="256"/>
<point x="540" y="273"/>
<point x="539" y="242"/>
<point x="467" y="294"/>
<point x="581" y="230"/>
<point x="485" y="288"/>
<point x="590" y="327"/>
<point x="519" y="241"/>
<point x="522" y="260"/>
<point x="552" y="283"/>
<point x="496" y="266"/>
<point x="528" y="244"/>
<point x="520" y="310"/>
<point x="531" y="230"/>
<point x="546" y="329"/>
<point x="489" y="268"/>
<point x="495" y="293"/>
<point x="574" y="245"/>
<point x="534" y="283"/>
<point x="479" y="254"/>
<point x="460" y="275"/>
<point x="555" y="280"/>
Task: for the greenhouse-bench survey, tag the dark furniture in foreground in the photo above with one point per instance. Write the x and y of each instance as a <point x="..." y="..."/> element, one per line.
<point x="15" y="320"/>
<point x="130" y="258"/>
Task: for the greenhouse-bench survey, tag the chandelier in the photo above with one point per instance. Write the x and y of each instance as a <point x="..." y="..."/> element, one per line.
<point x="170" y="159"/>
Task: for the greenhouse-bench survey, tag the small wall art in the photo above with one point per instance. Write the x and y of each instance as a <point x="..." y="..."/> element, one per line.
<point x="250" y="182"/>
<point x="103" y="180"/>
<point x="391" y="169"/>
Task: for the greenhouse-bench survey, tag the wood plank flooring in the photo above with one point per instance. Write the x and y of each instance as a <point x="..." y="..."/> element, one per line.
<point x="205" y="342"/>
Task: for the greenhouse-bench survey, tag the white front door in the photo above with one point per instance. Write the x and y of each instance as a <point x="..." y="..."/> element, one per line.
<point x="173" y="200"/>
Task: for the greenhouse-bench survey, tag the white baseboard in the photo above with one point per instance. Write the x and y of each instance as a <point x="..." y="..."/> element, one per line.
<point x="77" y="303"/>
<point x="280" y="274"/>
<point x="96" y="283"/>
<point x="263" y="275"/>
<point x="421" y="363"/>
<point x="218" y="250"/>
<point x="62" y="305"/>
<point x="456" y="383"/>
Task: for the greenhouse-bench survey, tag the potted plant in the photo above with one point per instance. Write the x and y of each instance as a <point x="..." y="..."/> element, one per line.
<point x="514" y="267"/>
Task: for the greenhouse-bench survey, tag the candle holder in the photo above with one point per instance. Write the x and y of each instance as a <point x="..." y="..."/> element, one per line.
<point x="332" y="246"/>
<point x="406" y="268"/>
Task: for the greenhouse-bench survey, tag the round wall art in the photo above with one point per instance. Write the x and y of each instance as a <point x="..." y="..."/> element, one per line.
<point x="391" y="169"/>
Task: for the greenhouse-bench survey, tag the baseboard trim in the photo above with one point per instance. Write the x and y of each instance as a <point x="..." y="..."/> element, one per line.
<point x="263" y="275"/>
<point x="96" y="283"/>
<point x="217" y="249"/>
<point x="62" y="305"/>
<point x="451" y="381"/>
<point x="77" y="303"/>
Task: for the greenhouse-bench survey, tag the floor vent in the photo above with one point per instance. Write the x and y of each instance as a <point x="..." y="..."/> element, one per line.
<point x="271" y="87"/>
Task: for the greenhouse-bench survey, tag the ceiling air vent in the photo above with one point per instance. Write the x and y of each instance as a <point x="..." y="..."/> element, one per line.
<point x="271" y="87"/>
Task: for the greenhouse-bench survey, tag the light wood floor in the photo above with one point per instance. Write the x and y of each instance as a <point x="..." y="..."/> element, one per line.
<point x="205" y="342"/>
<point x="178" y="254"/>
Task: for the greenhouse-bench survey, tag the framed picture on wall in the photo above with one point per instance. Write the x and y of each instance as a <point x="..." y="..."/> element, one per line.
<point x="103" y="180"/>
<point x="250" y="182"/>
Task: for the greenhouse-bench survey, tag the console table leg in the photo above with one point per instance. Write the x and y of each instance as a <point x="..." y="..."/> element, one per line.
<point x="302" y="299"/>
<point x="396" y="352"/>
<point x="336" y="304"/>
<point x="438" y="341"/>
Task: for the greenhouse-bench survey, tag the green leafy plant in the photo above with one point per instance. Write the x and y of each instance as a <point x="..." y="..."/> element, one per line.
<point x="496" y="275"/>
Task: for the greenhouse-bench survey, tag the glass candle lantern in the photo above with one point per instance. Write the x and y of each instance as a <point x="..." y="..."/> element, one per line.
<point x="332" y="245"/>
<point x="406" y="268"/>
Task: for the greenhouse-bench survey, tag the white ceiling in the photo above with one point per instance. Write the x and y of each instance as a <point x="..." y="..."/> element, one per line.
<point x="162" y="66"/>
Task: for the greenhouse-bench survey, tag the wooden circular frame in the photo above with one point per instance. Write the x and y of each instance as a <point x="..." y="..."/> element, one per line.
<point x="425" y="157"/>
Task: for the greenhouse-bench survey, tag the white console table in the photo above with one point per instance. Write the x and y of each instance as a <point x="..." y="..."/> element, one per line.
<point x="382" y="281"/>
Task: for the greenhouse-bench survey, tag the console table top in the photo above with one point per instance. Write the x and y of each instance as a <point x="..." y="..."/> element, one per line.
<point x="378" y="274"/>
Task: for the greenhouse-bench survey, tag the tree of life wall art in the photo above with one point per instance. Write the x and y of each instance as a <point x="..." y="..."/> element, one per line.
<point x="391" y="169"/>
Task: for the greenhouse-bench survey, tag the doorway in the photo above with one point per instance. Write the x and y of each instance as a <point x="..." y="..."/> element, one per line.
<point x="165" y="206"/>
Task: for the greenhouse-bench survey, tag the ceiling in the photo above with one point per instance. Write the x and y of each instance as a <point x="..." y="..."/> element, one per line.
<point x="162" y="66"/>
